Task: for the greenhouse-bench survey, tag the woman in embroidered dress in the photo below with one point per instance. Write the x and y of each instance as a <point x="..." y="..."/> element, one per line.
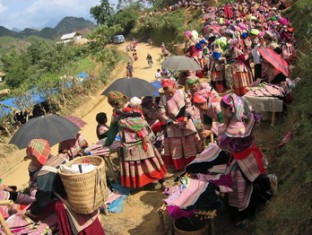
<point x="181" y="143"/>
<point x="242" y="76"/>
<point x="216" y="69"/>
<point x="140" y="162"/>
<point x="251" y="186"/>
<point x="210" y="112"/>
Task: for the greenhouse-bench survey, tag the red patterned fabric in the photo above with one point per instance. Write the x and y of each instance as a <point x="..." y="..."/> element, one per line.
<point x="40" y="149"/>
<point x="250" y="161"/>
<point x="241" y="82"/>
<point x="136" y="174"/>
<point x="64" y="224"/>
<point x="167" y="82"/>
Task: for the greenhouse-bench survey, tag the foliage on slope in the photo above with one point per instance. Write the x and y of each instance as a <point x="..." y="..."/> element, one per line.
<point x="167" y="27"/>
<point x="290" y="211"/>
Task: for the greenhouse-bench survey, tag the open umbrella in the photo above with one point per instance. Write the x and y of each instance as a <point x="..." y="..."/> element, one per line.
<point x="275" y="60"/>
<point x="131" y="87"/>
<point x="77" y="121"/>
<point x="51" y="127"/>
<point x="177" y="62"/>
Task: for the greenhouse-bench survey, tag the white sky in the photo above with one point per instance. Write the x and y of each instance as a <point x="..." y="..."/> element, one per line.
<point x="36" y="13"/>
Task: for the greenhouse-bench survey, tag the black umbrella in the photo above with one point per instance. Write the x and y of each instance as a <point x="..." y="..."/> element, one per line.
<point x="178" y="62"/>
<point x="131" y="87"/>
<point x="53" y="128"/>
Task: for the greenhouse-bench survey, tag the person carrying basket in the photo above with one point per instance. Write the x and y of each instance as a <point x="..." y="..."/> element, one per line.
<point x="48" y="187"/>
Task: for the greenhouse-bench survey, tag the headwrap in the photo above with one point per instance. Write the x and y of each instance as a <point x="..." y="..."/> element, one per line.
<point x="191" y="80"/>
<point x="244" y="35"/>
<point x="199" y="98"/>
<point x="188" y="34"/>
<point x="116" y="98"/>
<point x="242" y="26"/>
<point x="203" y="41"/>
<point x="239" y="106"/>
<point x="283" y="21"/>
<point x="261" y="34"/>
<point x="221" y="42"/>
<point x="291" y="30"/>
<point x="40" y="149"/>
<point x="194" y="35"/>
<point x="254" y="32"/>
<point x="233" y="42"/>
<point x="135" y="101"/>
<point x="167" y="82"/>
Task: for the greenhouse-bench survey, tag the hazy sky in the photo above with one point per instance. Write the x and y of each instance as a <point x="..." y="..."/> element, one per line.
<point x="36" y="13"/>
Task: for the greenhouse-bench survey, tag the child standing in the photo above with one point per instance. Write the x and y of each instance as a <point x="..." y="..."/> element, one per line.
<point x="101" y="127"/>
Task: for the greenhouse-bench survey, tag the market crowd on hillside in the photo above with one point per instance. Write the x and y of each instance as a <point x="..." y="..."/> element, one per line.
<point x="200" y="127"/>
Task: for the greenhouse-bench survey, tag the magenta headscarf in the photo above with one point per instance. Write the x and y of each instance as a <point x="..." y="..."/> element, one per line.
<point x="239" y="106"/>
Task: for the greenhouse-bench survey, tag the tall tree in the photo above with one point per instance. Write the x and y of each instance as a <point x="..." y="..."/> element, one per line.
<point x="101" y="13"/>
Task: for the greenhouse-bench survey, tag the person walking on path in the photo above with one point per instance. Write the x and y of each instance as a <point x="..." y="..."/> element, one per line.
<point x="129" y="69"/>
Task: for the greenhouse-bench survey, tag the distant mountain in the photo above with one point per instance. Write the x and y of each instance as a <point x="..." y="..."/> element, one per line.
<point x="16" y="30"/>
<point x="6" y="32"/>
<point x="72" y="24"/>
<point x="50" y="24"/>
<point x="66" y="25"/>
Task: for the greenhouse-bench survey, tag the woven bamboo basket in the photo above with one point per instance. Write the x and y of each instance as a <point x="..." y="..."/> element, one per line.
<point x="86" y="191"/>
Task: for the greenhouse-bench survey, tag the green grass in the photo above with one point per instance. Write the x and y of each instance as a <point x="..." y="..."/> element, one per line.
<point x="290" y="211"/>
<point x="82" y="65"/>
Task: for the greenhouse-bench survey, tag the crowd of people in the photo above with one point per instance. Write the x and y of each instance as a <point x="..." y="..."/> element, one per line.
<point x="193" y="128"/>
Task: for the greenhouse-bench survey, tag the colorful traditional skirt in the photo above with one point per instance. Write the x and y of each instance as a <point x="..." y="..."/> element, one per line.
<point x="242" y="189"/>
<point x="241" y="80"/>
<point x="180" y="151"/>
<point x="217" y="76"/>
<point x="248" y="168"/>
<point x="136" y="174"/>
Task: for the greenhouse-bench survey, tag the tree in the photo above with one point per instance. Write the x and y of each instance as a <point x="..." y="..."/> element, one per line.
<point x="101" y="13"/>
<point x="16" y="67"/>
<point x="126" y="18"/>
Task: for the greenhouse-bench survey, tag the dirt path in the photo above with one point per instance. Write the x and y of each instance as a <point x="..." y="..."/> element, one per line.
<point x="139" y="215"/>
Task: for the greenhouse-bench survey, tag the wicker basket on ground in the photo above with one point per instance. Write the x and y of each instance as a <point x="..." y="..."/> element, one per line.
<point x="86" y="191"/>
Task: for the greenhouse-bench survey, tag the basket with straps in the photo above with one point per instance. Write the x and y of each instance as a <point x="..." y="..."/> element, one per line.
<point x="86" y="191"/>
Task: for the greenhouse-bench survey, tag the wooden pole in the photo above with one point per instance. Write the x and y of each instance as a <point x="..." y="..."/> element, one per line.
<point x="273" y="118"/>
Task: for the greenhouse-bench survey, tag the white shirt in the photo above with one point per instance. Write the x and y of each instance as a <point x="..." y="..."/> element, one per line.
<point x="256" y="54"/>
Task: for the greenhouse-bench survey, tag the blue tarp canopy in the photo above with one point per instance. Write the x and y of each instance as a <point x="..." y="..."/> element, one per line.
<point x="4" y="111"/>
<point x="31" y="98"/>
<point x="11" y="102"/>
<point x="83" y="75"/>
